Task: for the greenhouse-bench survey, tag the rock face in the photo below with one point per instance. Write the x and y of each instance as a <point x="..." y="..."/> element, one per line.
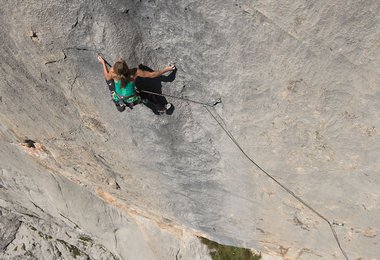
<point x="299" y="82"/>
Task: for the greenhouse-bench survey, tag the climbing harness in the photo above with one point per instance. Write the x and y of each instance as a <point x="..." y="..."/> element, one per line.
<point x="129" y="101"/>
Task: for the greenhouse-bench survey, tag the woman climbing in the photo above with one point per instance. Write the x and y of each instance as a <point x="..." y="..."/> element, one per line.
<point x="121" y="82"/>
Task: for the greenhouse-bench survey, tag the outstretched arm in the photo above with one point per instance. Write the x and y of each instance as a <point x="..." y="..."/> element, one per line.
<point x="153" y="74"/>
<point x="106" y="72"/>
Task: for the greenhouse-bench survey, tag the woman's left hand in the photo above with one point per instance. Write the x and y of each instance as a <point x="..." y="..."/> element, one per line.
<point x="100" y="59"/>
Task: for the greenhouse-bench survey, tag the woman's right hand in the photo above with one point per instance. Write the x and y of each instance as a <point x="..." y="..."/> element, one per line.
<point x="171" y="67"/>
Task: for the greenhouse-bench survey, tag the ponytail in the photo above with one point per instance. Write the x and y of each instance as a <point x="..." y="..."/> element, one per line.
<point x="123" y="81"/>
<point x="121" y="70"/>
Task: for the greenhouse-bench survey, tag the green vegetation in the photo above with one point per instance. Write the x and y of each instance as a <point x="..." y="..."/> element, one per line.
<point x="40" y="233"/>
<point x="223" y="252"/>
<point x="33" y="228"/>
<point x="86" y="239"/>
<point x="73" y="249"/>
<point x="30" y="215"/>
<point x="45" y="236"/>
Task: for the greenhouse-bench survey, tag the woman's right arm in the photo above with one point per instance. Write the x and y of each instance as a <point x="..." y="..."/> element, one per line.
<point x="153" y="74"/>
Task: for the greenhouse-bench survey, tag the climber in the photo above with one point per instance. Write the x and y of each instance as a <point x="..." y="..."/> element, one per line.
<point x="121" y="82"/>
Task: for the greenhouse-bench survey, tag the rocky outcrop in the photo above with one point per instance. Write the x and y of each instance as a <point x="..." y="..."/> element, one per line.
<point x="288" y="158"/>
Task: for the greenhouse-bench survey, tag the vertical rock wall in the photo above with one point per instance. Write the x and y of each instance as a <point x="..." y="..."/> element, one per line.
<point x="299" y="83"/>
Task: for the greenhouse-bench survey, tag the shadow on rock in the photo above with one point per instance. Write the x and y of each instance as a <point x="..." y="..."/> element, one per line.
<point x="158" y="104"/>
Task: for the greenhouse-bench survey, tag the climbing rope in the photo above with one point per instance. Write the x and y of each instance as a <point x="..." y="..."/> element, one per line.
<point x="222" y="124"/>
<point x="212" y="104"/>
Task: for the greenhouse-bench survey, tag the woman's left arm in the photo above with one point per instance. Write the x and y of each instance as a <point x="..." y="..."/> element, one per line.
<point x="106" y="72"/>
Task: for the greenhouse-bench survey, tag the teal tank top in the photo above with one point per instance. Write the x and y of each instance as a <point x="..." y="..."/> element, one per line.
<point x="127" y="91"/>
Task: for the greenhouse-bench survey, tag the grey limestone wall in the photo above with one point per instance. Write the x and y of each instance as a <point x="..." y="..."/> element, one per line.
<point x="299" y="84"/>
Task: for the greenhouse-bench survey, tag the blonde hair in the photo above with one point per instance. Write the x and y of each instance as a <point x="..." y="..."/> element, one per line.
<point x="121" y="71"/>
